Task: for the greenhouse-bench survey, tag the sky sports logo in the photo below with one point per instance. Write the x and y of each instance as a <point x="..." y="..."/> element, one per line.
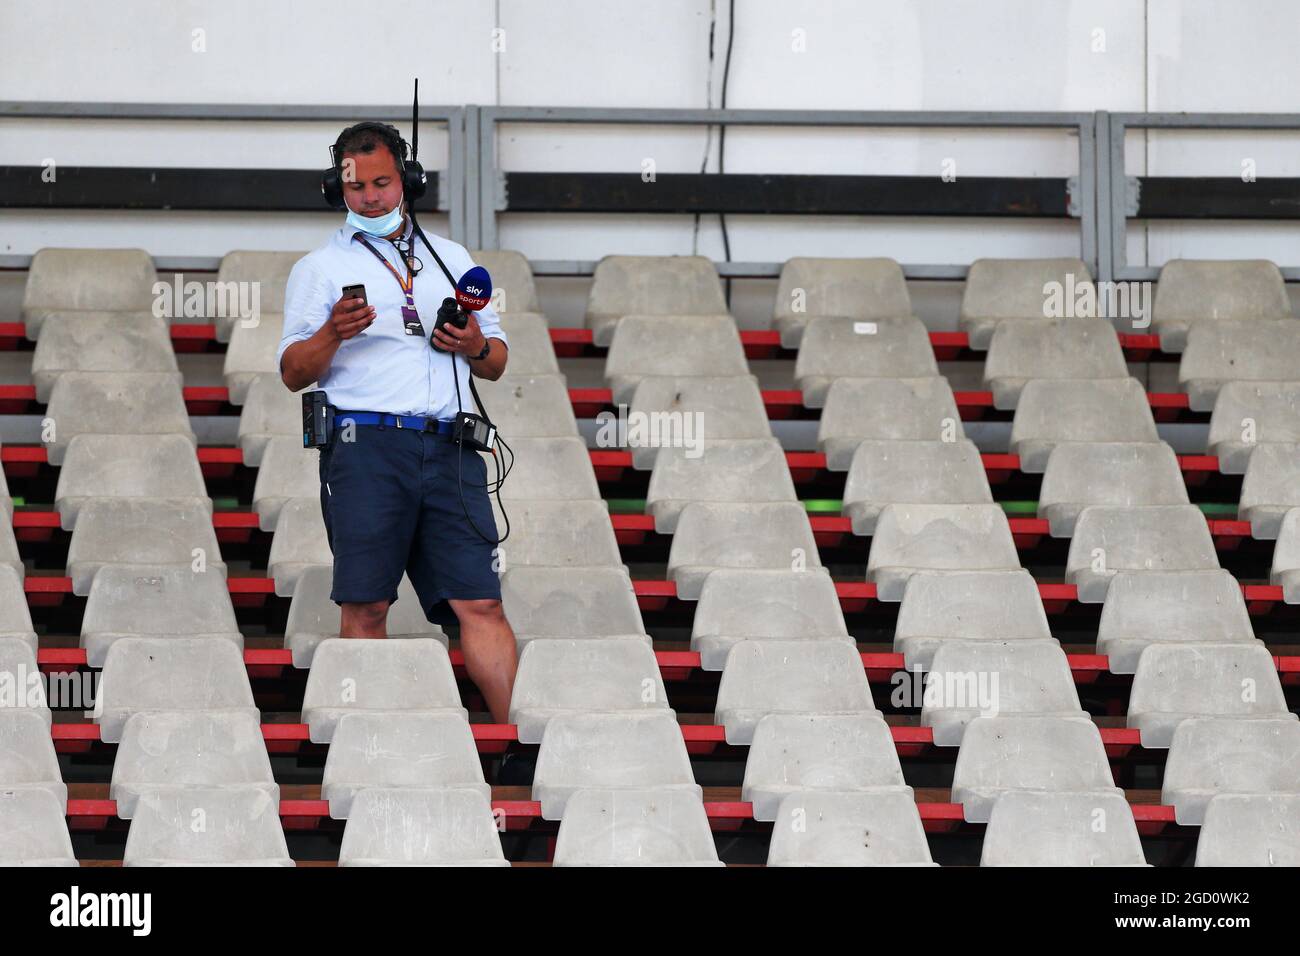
<point x="77" y="909"/>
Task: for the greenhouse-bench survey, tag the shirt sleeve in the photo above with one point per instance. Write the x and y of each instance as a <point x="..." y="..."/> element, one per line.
<point x="307" y="305"/>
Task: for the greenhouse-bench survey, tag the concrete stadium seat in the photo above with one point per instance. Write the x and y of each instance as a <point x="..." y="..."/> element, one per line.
<point x="115" y="403"/>
<point x="796" y="753"/>
<point x="1052" y="412"/>
<point x="15" y="616"/>
<point x="314" y="617"/>
<point x="135" y="466"/>
<point x="300" y="542"/>
<point x="557" y="534"/>
<point x="672" y="345"/>
<point x="635" y="828"/>
<point x="1109" y="539"/>
<point x="412" y="827"/>
<point x="1174" y="607"/>
<point x="610" y="751"/>
<point x="167" y="750"/>
<point x="251" y="352"/>
<point x="1176" y="681"/>
<point x="1058" y="348"/>
<point x="651" y="285"/>
<point x="1192" y="292"/>
<point x="9" y="556"/>
<point x="911" y="538"/>
<point x="21" y="685"/>
<point x="513" y="288"/>
<point x="743" y="469"/>
<point x="833" y="348"/>
<point x="1127" y="474"/>
<point x="288" y="471"/>
<point x="269" y="270"/>
<point x="1213" y="755"/>
<point x="101" y="342"/>
<point x="970" y="679"/>
<point x="27" y="758"/>
<point x="571" y="603"/>
<point x="1286" y="557"/>
<point x="712" y="534"/>
<point x="241" y="827"/>
<point x="270" y="410"/>
<point x="827" y="828"/>
<point x="132" y="531"/>
<point x="1001" y="754"/>
<point x="1061" y="829"/>
<point x="548" y="469"/>
<point x="529" y="406"/>
<point x="156" y="601"/>
<point x="1250" y="830"/>
<point x="1241" y="350"/>
<point x="144" y="674"/>
<point x="862" y="289"/>
<point x="912" y="473"/>
<point x="739" y="604"/>
<point x="33" y="831"/>
<point x="885" y="409"/>
<point x="691" y="410"/>
<point x="1270" y="489"/>
<point x="789" y="677"/>
<point x="558" y="677"/>
<point x="86" y="280"/>
<point x="351" y="675"/>
<point x="1249" y="414"/>
<point x="942" y="606"/>
<point x="998" y="290"/>
<point x="416" y="750"/>
<point x="531" y="351"/>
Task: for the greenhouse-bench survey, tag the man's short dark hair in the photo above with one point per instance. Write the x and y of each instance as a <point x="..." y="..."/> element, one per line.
<point x="366" y="138"/>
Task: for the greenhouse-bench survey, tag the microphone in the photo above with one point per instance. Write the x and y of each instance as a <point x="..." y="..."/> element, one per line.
<point x="474" y="290"/>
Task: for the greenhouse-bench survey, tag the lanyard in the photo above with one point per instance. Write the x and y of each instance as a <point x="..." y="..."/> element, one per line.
<point x="410" y="317"/>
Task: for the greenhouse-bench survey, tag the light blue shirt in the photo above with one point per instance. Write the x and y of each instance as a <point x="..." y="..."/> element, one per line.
<point x="383" y="369"/>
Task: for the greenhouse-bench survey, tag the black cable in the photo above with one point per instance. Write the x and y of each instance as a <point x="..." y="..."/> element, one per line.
<point x="722" y="137"/>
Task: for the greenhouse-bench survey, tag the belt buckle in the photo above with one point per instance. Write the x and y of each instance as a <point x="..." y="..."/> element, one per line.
<point x="398" y="420"/>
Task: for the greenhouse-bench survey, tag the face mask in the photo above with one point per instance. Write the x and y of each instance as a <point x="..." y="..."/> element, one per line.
<point x="377" y="226"/>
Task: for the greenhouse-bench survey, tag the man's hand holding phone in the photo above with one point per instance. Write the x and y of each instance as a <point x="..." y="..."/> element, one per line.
<point x="352" y="314"/>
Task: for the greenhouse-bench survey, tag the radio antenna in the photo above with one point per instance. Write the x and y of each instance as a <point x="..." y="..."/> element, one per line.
<point x="415" y="122"/>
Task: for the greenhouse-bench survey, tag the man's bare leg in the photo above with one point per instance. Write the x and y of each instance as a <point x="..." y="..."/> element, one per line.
<point x="489" y="646"/>
<point x="364" y="620"/>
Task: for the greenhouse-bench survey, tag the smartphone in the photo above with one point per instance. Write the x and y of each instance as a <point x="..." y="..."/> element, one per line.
<point x="355" y="292"/>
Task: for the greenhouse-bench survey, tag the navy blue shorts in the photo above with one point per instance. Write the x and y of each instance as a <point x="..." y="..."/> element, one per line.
<point x="390" y="503"/>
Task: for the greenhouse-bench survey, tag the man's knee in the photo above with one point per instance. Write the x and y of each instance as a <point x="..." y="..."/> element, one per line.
<point x="480" y="611"/>
<point x="367" y="612"/>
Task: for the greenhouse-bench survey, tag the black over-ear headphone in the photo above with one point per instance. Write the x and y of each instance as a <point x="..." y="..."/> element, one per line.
<point x="413" y="178"/>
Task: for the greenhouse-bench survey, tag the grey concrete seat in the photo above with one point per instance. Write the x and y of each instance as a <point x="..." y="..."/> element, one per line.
<point x="610" y="751"/>
<point x="557" y="677"/>
<point x="635" y="828"/>
<point x="1028" y="828"/>
<point x="1250" y="830"/>
<point x="745" y="604"/>
<point x="33" y="831"/>
<point x="1213" y="755"/>
<point x="911" y="538"/>
<point x="531" y="351"/>
<point x="251" y="352"/>
<point x="672" y="345"/>
<point x="1192" y="292"/>
<point x="743" y="469"/>
<point x="145" y="674"/>
<point x="416" y="750"/>
<point x="557" y="534"/>
<point x="241" y="827"/>
<point x="796" y="753"/>
<point x="411" y="827"/>
<point x="866" y="289"/>
<point x="270" y="410"/>
<point x="1249" y="414"/>
<point x="21" y="684"/>
<point x="1237" y="350"/>
<point x="267" y="272"/>
<point x="714" y="534"/>
<point x="1052" y="412"/>
<point x="27" y="758"/>
<point x="166" y="750"/>
<point x="513" y="288"/>
<point x="136" y="466"/>
<point x="1110" y="539"/>
<point x="685" y="411"/>
<point x="1001" y="754"/>
<point x="529" y="406"/>
<point x="571" y="603"/>
<point x="132" y="531"/>
<point x="826" y="828"/>
<point x="942" y="606"/>
<point x="288" y="471"/>
<point x="833" y="348"/>
<point x="1286" y="557"/>
<point x="15" y="616"/>
<point x="115" y="403"/>
<point x="9" y="556"/>
<point x="549" y="469"/>
<point x="970" y="679"/>
<point x="651" y="285"/>
<point x="1176" y="681"/>
<point x="1001" y="290"/>
<point x="1127" y="474"/>
<point x="362" y="676"/>
<point x="1173" y="607"/>
<point x="885" y="409"/>
<point x="101" y="342"/>
<point x="314" y="617"/>
<point x="1076" y="348"/>
<point x="300" y="542"/>
<point x="165" y="600"/>
<point x="1270" y="489"/>
<point x="86" y="280"/>
<point x="789" y="677"/>
<point x="912" y="473"/>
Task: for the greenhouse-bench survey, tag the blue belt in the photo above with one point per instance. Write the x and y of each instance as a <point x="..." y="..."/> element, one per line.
<point x="414" y="422"/>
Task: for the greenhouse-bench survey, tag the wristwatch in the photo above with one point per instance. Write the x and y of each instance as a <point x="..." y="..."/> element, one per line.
<point x="487" y="347"/>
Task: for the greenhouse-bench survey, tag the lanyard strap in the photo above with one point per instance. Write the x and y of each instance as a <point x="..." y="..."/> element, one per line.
<point x="407" y="284"/>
